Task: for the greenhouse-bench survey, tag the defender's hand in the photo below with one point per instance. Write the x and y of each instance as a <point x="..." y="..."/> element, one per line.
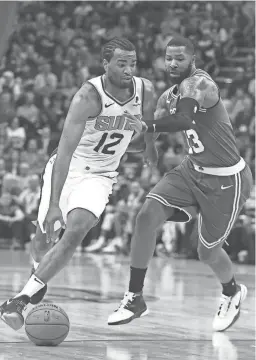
<point x="139" y="126"/>
<point x="53" y="223"/>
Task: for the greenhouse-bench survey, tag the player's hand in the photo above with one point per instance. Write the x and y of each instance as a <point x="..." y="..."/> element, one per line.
<point x="139" y="126"/>
<point x="53" y="223"/>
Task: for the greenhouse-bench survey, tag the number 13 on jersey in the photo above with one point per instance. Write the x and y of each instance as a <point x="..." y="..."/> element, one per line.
<point x="195" y="145"/>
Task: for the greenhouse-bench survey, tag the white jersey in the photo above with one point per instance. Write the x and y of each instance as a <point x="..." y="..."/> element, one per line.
<point x="107" y="136"/>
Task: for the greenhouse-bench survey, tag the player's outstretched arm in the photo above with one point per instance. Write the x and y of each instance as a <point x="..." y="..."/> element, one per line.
<point x="84" y="105"/>
<point x="138" y="143"/>
<point x="195" y="92"/>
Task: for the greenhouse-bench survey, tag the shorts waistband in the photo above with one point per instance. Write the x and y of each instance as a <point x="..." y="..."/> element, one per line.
<point x="221" y="171"/>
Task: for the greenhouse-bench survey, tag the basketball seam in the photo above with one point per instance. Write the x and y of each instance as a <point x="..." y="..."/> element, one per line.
<point x="33" y="312"/>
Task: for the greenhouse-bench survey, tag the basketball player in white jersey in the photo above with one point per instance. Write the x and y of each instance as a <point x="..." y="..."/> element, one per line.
<point x="79" y="176"/>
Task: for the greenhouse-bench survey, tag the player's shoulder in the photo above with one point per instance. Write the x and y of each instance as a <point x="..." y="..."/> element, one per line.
<point x="200" y="80"/>
<point x="201" y="88"/>
<point x="87" y="95"/>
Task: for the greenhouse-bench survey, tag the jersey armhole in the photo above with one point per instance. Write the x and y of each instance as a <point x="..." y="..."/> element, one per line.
<point x="100" y="100"/>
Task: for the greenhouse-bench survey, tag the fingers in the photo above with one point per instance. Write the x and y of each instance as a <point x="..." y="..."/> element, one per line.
<point x="52" y="228"/>
<point x="49" y="231"/>
<point x="135" y="123"/>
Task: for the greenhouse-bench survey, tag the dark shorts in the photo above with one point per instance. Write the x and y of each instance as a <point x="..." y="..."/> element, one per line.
<point x="217" y="199"/>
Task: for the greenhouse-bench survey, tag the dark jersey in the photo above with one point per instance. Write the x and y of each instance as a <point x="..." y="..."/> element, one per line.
<point x="211" y="140"/>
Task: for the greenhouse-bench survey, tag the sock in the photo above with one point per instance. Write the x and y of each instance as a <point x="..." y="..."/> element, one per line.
<point x="137" y="277"/>
<point x="229" y="289"/>
<point x="32" y="287"/>
<point x="35" y="264"/>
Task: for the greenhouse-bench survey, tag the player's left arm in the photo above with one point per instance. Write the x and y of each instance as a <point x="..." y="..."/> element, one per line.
<point x="196" y="92"/>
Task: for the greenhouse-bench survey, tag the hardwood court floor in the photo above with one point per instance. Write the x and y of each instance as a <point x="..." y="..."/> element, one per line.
<point x="182" y="297"/>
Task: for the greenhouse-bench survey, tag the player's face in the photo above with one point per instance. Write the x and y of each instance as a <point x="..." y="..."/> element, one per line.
<point x="178" y="63"/>
<point x="121" y="68"/>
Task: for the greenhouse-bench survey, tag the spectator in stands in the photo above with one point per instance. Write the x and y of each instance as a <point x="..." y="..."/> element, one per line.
<point x="29" y="110"/>
<point x="28" y="200"/>
<point x="66" y="33"/>
<point x="120" y="220"/>
<point x="67" y="83"/>
<point x="23" y="175"/>
<point x="7" y="81"/>
<point x="174" y="148"/>
<point x="45" y="139"/>
<point x="2" y="173"/>
<point x="12" y="159"/>
<point x="241" y="102"/>
<point x="11" y="218"/>
<point x="7" y="108"/>
<point x="16" y="134"/>
<point x="46" y="81"/>
<point x="30" y="155"/>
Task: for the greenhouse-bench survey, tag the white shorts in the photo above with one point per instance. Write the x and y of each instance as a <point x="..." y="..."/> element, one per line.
<point x="86" y="191"/>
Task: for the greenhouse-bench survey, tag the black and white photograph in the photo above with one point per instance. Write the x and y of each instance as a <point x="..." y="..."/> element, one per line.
<point x="127" y="180"/>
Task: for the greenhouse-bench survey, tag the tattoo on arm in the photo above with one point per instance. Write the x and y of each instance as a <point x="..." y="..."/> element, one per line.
<point x="201" y="89"/>
<point x="161" y="107"/>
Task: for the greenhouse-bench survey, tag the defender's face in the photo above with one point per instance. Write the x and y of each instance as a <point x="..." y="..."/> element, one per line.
<point x="121" y="68"/>
<point x="178" y="63"/>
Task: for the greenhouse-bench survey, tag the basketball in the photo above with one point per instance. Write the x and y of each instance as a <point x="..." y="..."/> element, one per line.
<point x="47" y="325"/>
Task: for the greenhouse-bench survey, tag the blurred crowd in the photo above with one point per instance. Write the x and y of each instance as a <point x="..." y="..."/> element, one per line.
<point x="57" y="46"/>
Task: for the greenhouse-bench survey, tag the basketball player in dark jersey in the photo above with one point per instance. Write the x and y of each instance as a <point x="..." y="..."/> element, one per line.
<point x="212" y="180"/>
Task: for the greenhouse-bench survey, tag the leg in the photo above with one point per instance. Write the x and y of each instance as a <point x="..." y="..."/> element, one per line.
<point x="80" y="213"/>
<point x="219" y="212"/>
<point x="151" y="216"/>
<point x="79" y="222"/>
<point x="16" y="229"/>
<point x="219" y="262"/>
<point x="170" y="197"/>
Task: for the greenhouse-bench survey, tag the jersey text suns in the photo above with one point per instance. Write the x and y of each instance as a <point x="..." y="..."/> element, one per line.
<point x="110" y="123"/>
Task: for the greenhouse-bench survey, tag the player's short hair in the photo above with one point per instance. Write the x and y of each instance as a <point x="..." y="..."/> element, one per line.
<point x="180" y="40"/>
<point x="116" y="43"/>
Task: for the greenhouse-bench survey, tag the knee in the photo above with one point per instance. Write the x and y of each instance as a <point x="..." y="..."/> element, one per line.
<point x="208" y="256"/>
<point x="79" y="225"/>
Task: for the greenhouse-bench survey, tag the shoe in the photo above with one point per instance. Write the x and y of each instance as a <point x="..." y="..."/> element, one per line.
<point x="229" y="309"/>
<point x="38" y="297"/>
<point x="11" y="311"/>
<point x="132" y="306"/>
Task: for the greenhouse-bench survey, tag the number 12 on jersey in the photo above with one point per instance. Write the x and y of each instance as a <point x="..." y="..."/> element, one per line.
<point x="195" y="145"/>
<point x="106" y="147"/>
